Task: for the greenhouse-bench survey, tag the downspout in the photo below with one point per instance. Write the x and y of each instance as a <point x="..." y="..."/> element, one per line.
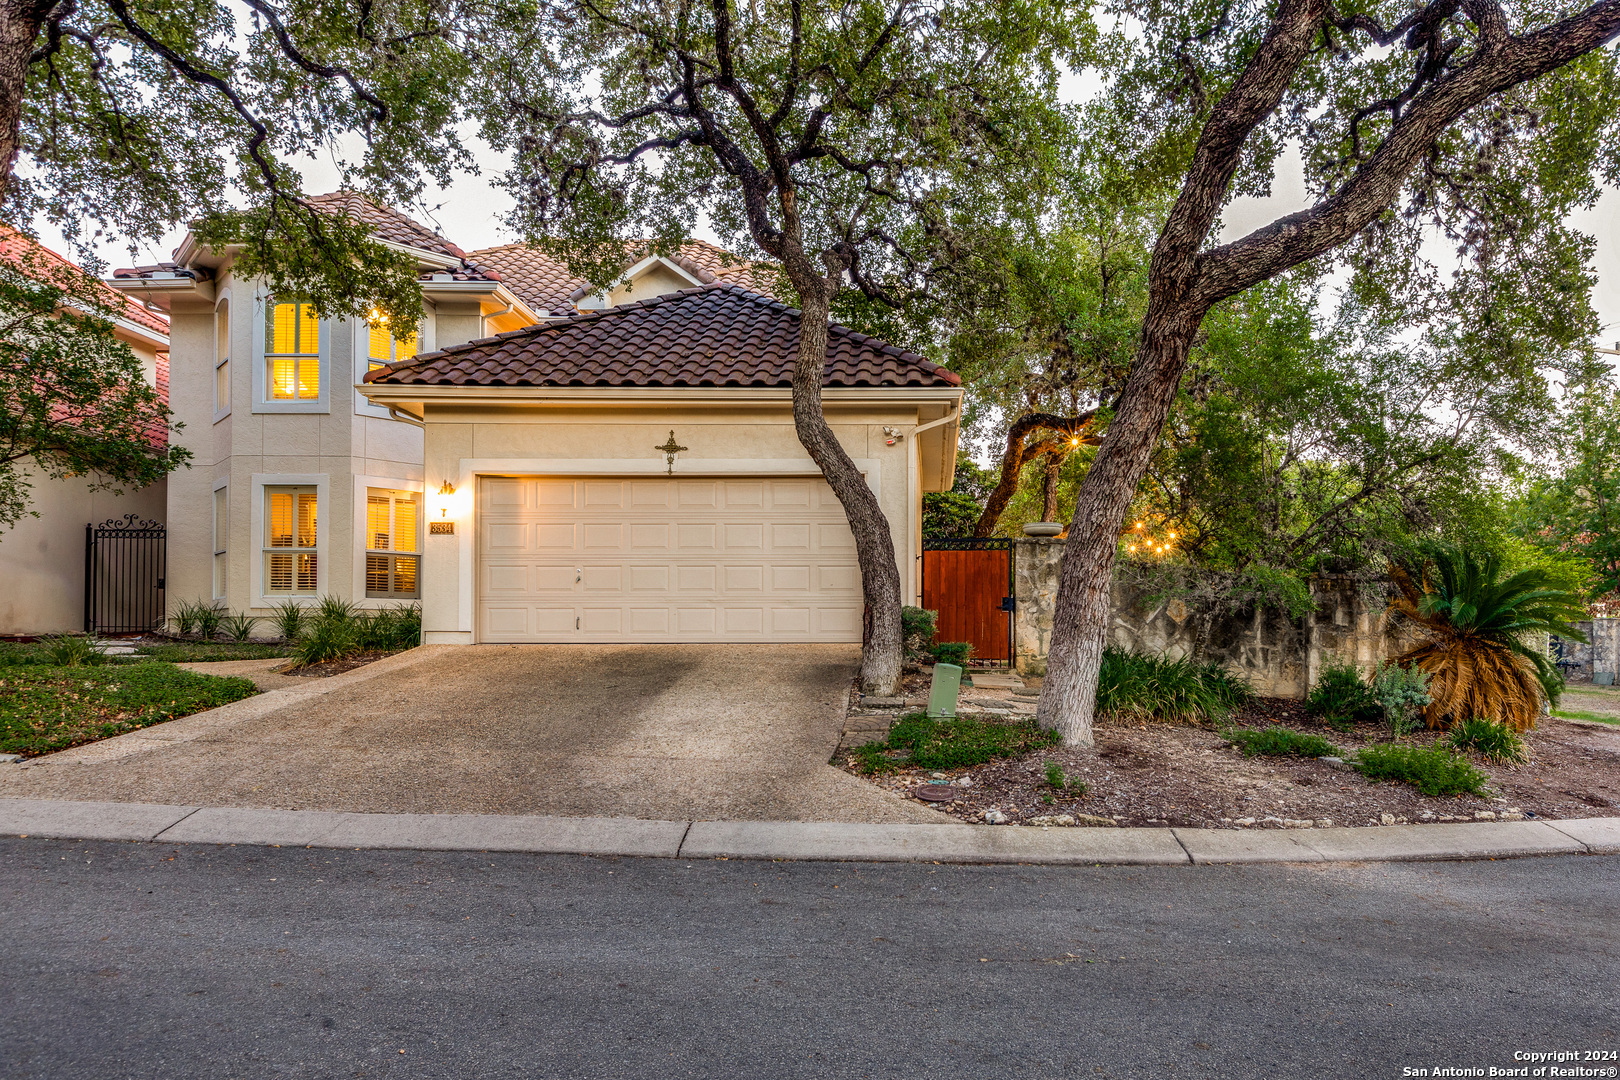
<point x="404" y="418"/>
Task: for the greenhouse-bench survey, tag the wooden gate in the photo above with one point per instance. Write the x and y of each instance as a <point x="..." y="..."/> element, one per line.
<point x="969" y="582"/>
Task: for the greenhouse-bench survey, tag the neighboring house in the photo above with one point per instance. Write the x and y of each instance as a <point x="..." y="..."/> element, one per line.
<point x="42" y="559"/>
<point x="517" y="484"/>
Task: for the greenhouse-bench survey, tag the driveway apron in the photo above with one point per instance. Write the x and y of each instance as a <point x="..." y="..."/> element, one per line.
<point x="715" y="732"/>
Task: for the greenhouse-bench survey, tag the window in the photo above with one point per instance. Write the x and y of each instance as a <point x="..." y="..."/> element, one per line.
<point x="222" y="357"/>
<point x="221" y="531"/>
<point x="292" y="348"/>
<point x="289" y="542"/>
<point x="384" y="347"/>
<point x="392" y="521"/>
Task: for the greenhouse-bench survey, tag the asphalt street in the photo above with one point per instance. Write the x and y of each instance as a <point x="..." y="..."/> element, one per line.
<point x="166" y="962"/>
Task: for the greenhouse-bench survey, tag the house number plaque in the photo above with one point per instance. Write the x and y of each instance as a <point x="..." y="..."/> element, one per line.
<point x="441" y="528"/>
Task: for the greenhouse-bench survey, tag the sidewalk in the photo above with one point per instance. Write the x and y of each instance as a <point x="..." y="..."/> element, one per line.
<point x="148" y="822"/>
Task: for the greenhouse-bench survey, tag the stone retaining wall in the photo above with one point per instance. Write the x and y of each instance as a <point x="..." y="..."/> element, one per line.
<point x="1581" y="660"/>
<point x="1280" y="656"/>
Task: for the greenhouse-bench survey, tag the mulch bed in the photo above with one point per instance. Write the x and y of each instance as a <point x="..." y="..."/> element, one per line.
<point x="328" y="668"/>
<point x="1165" y="774"/>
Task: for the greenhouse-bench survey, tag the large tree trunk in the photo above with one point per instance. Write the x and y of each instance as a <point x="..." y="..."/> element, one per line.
<point x="1080" y="623"/>
<point x="882" y="646"/>
<point x="20" y="21"/>
<point x="1054" y="465"/>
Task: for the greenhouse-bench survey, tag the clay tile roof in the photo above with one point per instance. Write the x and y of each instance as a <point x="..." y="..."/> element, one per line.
<point x="386" y="222"/>
<point x="16" y="248"/>
<point x="541" y="282"/>
<point x="713" y="335"/>
<point x="544" y="283"/>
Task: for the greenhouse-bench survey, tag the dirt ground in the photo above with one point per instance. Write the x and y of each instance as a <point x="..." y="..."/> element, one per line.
<point x="1165" y="774"/>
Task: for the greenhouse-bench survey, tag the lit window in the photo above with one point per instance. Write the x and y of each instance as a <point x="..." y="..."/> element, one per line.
<point x="392" y="545"/>
<point x="221" y="531"/>
<point x="384" y="347"/>
<point x="222" y="357"/>
<point x="289" y="542"/>
<point x="292" y="351"/>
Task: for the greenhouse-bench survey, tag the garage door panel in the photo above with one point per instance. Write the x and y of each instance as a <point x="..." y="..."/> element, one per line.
<point x="642" y="559"/>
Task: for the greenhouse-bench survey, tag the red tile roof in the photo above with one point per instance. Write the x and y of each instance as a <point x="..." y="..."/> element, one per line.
<point x="713" y="335"/>
<point x="16" y="248"/>
<point x="386" y="222"/>
<point x="544" y="283"/>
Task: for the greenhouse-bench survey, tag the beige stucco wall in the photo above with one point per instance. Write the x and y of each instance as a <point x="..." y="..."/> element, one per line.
<point x="466" y="442"/>
<point x="42" y="558"/>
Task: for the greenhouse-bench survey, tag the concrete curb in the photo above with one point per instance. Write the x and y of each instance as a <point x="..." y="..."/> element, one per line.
<point x="799" y="840"/>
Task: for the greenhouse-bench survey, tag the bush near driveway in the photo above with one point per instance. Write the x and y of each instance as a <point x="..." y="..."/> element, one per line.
<point x="45" y="708"/>
<point x="952" y="744"/>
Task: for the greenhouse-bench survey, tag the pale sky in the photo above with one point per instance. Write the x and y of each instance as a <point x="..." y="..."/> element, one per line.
<point x="469" y="214"/>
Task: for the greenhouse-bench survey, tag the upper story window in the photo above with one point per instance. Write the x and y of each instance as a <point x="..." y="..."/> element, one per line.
<point x="222" y="357"/>
<point x="384" y="347"/>
<point x="292" y="351"/>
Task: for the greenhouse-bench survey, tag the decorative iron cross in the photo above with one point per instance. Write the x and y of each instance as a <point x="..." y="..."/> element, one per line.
<point x="670" y="449"/>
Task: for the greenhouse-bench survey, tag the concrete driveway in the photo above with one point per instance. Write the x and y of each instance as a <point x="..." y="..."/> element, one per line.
<point x="655" y="731"/>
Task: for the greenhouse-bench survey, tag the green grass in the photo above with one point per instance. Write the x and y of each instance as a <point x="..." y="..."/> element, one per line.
<point x="1280" y="742"/>
<point x="45" y="708"/>
<point x="204" y="652"/>
<point x="1432" y="770"/>
<point x="1135" y="686"/>
<point x="1582" y="714"/>
<point x="951" y="744"/>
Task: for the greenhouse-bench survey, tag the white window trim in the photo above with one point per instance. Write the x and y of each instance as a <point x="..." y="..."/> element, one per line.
<point x="362" y="360"/>
<point x="262" y="403"/>
<point x="358" y="532"/>
<point x="224" y="297"/>
<point x="221" y="588"/>
<point x="323" y="529"/>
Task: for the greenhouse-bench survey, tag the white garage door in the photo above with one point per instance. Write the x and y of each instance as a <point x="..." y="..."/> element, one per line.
<point x="604" y="559"/>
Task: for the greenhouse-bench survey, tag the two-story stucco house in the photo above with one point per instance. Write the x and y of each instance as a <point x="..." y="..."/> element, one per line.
<point x="511" y="465"/>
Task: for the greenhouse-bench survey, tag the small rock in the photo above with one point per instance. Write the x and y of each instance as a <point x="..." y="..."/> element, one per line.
<point x="1510" y="815"/>
<point x="1515" y="809"/>
<point x="1244" y="821"/>
<point x="1386" y="819"/>
<point x="1484" y="815"/>
<point x="873" y="702"/>
<point x="1272" y="820"/>
<point x="1426" y="815"/>
<point x="936" y="776"/>
<point x="1324" y="823"/>
<point x="1401" y="820"/>
<point x="1448" y="817"/>
<point x="1333" y="762"/>
<point x="10" y="759"/>
<point x="1298" y="823"/>
<point x="1048" y="820"/>
<point x="994" y="817"/>
<point x="964" y="781"/>
<point x="1094" y="821"/>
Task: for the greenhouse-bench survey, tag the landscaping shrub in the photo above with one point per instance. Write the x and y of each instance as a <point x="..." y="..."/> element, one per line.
<point x="389" y="629"/>
<point x="336" y="608"/>
<point x="952" y="744"/>
<point x="917" y="627"/>
<point x="239" y="625"/>
<point x="15" y="654"/>
<point x="1400" y="693"/>
<point x="186" y="613"/>
<point x="1134" y="686"/>
<point x="289" y="620"/>
<point x="1058" y="781"/>
<point x="1341" y="698"/>
<point x="208" y="619"/>
<point x="953" y="652"/>
<point x="71" y="650"/>
<point x="1280" y="742"/>
<point x="46" y="707"/>
<point x="1432" y="770"/>
<point x="1490" y="740"/>
<point x="325" y="639"/>
<point x="1479" y="621"/>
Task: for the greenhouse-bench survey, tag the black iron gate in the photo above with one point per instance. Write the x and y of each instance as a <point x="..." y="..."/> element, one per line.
<point x="125" y="563"/>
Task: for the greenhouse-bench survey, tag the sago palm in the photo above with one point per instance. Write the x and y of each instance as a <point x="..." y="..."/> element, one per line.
<point x="1477" y="622"/>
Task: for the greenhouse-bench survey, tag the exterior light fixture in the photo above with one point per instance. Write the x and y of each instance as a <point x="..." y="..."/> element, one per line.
<point x="446" y="489"/>
<point x="1075" y="441"/>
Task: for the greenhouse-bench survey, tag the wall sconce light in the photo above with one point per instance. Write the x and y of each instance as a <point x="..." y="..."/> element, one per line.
<point x="446" y="489"/>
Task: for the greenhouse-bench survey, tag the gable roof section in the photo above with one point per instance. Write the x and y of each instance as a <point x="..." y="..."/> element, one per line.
<point x="15" y="248"/>
<point x="544" y="283"/>
<point x="386" y="222"/>
<point x="710" y="336"/>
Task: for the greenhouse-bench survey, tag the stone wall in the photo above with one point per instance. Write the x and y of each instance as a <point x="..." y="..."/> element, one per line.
<point x="1581" y="660"/>
<point x="1280" y="656"/>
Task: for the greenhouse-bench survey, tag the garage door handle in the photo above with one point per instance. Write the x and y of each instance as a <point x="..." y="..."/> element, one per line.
<point x="579" y="575"/>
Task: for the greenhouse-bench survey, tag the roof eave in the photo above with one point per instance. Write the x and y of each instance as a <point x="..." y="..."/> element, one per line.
<point x="414" y="393"/>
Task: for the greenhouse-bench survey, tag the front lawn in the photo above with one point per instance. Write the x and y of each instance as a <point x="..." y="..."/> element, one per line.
<point x="45" y="708"/>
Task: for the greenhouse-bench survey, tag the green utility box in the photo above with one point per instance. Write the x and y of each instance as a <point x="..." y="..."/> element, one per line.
<point x="942" y="693"/>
